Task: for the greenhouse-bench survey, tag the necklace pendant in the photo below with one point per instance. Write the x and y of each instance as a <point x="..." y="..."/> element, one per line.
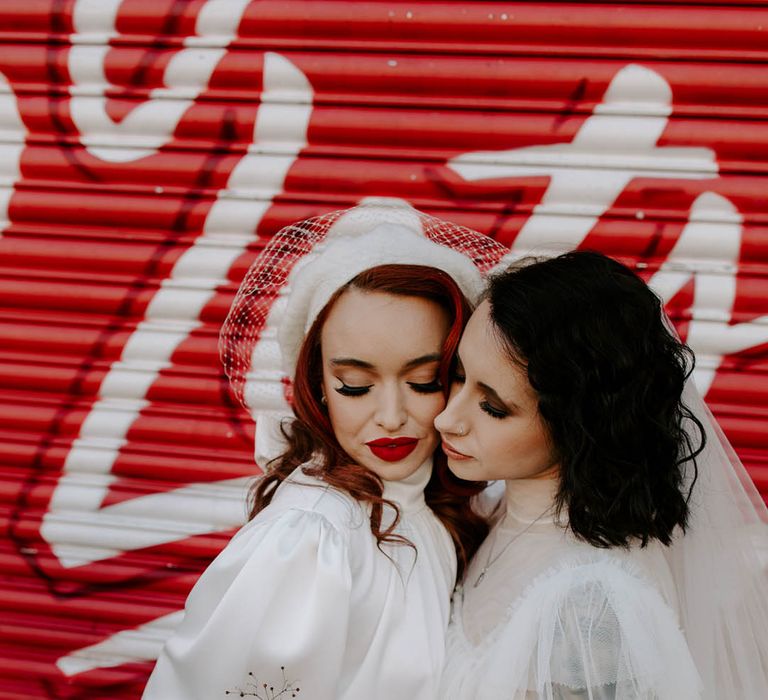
<point x="480" y="577"/>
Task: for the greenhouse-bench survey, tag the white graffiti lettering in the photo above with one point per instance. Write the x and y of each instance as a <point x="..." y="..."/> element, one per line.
<point x="613" y="146"/>
<point x="78" y="529"/>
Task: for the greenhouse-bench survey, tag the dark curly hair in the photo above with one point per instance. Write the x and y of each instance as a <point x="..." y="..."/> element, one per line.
<point x="609" y="376"/>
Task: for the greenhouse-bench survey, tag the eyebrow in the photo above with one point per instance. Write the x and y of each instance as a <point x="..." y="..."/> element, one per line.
<point x="490" y="391"/>
<point x="423" y="360"/>
<point x="362" y="364"/>
<point x="493" y="395"/>
<point x="350" y="362"/>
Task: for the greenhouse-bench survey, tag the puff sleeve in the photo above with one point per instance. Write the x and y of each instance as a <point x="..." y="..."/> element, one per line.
<point x="594" y="631"/>
<point x="270" y="613"/>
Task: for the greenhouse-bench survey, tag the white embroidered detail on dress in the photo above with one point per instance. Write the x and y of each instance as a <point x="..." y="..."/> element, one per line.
<point x="265" y="691"/>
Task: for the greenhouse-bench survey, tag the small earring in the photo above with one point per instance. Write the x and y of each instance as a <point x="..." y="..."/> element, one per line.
<point x="323" y="400"/>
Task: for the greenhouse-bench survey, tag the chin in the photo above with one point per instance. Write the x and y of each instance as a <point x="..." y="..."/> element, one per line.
<point x="394" y="471"/>
<point x="397" y="471"/>
<point x="462" y="470"/>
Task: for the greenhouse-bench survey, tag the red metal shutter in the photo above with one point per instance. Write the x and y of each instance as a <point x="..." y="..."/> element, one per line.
<point x="150" y="147"/>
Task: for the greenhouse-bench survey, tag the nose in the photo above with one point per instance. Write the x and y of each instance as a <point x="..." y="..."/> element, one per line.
<point x="448" y="420"/>
<point x="391" y="413"/>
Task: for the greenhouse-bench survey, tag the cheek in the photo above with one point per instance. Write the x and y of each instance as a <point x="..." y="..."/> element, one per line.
<point x="426" y="408"/>
<point x="497" y="446"/>
<point x="516" y="444"/>
<point x="345" y="414"/>
<point x="341" y="410"/>
<point x="530" y="451"/>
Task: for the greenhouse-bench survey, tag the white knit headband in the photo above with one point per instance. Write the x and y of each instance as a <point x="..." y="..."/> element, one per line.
<point x="331" y="265"/>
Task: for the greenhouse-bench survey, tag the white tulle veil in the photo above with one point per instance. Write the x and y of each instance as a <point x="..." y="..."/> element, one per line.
<point x="720" y="568"/>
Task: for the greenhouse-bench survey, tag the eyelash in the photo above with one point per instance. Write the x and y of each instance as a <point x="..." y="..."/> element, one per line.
<point x="427" y="388"/>
<point x="346" y="390"/>
<point x="492" y="411"/>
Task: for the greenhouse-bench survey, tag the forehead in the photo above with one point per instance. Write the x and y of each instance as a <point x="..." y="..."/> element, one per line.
<point x="376" y="326"/>
<point x="486" y="360"/>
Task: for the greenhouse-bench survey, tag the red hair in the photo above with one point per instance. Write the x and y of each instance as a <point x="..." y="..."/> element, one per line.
<point x="312" y="441"/>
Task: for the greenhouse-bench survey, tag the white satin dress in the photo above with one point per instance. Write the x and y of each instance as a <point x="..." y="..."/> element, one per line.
<point x="302" y="603"/>
<point x="554" y="618"/>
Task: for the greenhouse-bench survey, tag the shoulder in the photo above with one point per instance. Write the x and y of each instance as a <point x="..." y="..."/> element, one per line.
<point x="593" y="594"/>
<point x="301" y="524"/>
<point x="596" y="618"/>
<point x="603" y="568"/>
<point x="308" y="494"/>
<point x="597" y="581"/>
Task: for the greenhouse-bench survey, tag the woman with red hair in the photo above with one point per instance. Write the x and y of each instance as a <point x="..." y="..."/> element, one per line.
<point x="339" y="586"/>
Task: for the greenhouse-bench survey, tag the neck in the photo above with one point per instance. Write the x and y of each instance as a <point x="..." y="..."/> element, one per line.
<point x="408" y="493"/>
<point x="527" y="499"/>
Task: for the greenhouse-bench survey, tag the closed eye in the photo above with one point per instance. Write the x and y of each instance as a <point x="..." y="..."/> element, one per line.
<point x="492" y="410"/>
<point x="346" y="390"/>
<point x="426" y="388"/>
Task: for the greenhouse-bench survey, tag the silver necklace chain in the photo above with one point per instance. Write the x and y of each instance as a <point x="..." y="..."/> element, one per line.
<point x="490" y="561"/>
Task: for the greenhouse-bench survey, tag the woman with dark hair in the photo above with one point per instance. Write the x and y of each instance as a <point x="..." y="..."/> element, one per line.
<point x="625" y="516"/>
<point x="339" y="586"/>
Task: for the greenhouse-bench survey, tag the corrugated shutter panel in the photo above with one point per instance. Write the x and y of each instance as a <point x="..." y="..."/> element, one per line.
<point x="148" y="148"/>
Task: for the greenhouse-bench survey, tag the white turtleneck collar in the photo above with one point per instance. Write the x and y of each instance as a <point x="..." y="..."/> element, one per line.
<point x="408" y="493"/>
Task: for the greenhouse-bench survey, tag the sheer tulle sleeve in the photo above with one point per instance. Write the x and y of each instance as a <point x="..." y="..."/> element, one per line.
<point x="594" y="631"/>
<point x="270" y="613"/>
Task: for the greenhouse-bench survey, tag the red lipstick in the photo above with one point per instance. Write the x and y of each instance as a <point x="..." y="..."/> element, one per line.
<point x="453" y="453"/>
<point x="393" y="449"/>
